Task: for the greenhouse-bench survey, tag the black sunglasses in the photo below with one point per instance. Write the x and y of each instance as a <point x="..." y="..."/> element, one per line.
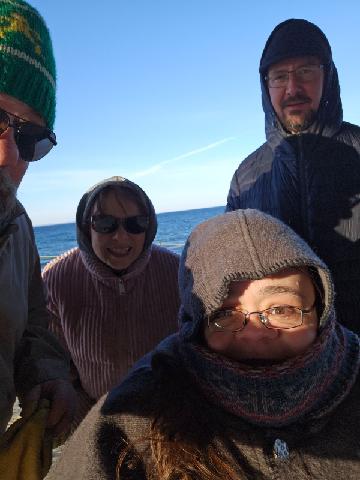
<point x="109" y="224"/>
<point x="33" y="141"/>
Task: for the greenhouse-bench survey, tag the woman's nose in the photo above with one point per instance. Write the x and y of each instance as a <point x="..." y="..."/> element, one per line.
<point x="255" y="329"/>
<point x="120" y="232"/>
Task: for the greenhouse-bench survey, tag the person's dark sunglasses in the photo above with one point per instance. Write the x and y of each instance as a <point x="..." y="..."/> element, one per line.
<point x="33" y="141"/>
<point x="109" y="224"/>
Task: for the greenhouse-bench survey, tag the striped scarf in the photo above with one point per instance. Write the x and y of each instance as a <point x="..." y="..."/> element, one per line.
<point x="310" y="385"/>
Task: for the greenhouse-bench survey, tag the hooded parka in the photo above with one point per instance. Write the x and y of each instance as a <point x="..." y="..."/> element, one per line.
<point x="310" y="180"/>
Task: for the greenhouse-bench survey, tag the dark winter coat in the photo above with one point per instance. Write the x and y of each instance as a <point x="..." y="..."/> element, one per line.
<point x="311" y="181"/>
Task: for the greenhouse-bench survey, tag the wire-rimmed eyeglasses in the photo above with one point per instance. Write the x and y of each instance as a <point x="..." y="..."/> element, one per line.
<point x="280" y="317"/>
<point x="303" y="74"/>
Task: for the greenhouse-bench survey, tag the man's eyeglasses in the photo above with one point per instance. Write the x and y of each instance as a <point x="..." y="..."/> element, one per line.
<point x="281" y="317"/>
<point x="107" y="224"/>
<point x="304" y="74"/>
<point x="33" y="141"/>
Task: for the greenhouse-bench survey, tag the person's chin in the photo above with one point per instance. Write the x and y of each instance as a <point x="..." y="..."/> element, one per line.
<point x="298" y="121"/>
<point x="118" y="266"/>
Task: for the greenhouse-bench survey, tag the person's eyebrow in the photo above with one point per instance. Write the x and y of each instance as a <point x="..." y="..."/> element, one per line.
<point x="274" y="289"/>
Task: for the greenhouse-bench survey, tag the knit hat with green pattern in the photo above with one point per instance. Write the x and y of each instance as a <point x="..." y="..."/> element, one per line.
<point x="27" y="65"/>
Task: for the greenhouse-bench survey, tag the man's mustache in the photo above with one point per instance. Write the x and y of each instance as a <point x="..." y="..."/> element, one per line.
<point x="296" y="99"/>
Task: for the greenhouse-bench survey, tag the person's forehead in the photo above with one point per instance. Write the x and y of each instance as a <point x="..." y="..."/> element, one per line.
<point x="20" y="109"/>
<point x="291" y="280"/>
<point x="294" y="62"/>
<point x="114" y="200"/>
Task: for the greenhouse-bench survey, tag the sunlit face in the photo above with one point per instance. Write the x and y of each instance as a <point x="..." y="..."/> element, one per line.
<point x="10" y="160"/>
<point x="256" y="342"/>
<point x="120" y="248"/>
<point x="297" y="103"/>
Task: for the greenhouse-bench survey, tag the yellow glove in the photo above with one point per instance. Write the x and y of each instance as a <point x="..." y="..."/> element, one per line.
<point x="26" y="447"/>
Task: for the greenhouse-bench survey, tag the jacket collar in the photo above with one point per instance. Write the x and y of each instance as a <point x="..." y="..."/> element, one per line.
<point x="108" y="277"/>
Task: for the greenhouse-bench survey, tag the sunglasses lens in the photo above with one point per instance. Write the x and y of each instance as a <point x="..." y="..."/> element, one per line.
<point x="33" y="141"/>
<point x="108" y="224"/>
<point x="104" y="223"/>
<point x="4" y="121"/>
<point x="136" y="224"/>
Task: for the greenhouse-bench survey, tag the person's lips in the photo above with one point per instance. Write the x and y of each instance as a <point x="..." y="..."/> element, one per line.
<point x="119" y="252"/>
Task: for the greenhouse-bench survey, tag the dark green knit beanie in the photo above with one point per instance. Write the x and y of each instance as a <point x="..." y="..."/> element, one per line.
<point x="27" y="65"/>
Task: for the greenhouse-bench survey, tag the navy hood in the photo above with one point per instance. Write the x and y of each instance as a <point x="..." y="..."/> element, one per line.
<point x="297" y="38"/>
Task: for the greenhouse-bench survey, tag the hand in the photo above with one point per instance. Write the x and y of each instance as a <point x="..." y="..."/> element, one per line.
<point x="63" y="404"/>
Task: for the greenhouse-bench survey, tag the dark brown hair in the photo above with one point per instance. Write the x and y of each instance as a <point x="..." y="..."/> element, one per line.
<point x="181" y="439"/>
<point x="120" y="192"/>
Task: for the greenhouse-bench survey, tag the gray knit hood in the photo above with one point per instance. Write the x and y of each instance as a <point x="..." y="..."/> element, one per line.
<point x="87" y="201"/>
<point x="239" y="245"/>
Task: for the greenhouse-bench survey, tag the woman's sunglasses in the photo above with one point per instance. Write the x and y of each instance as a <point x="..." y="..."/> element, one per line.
<point x="109" y="224"/>
<point x="33" y="141"/>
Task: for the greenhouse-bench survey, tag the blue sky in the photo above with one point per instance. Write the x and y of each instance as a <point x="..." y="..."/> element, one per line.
<point x="166" y="93"/>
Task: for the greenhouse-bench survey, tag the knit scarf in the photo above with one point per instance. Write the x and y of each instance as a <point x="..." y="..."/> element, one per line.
<point x="310" y="385"/>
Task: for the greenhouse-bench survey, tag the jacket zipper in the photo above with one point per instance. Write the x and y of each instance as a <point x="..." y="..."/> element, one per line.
<point x="303" y="189"/>
<point x="121" y="287"/>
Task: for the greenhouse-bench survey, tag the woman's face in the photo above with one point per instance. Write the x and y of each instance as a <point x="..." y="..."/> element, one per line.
<point x="257" y="342"/>
<point x="120" y="248"/>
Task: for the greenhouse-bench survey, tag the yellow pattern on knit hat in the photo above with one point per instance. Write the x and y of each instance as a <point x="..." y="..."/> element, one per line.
<point x="27" y="62"/>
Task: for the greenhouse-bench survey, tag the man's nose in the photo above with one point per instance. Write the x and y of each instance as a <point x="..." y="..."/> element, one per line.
<point x="293" y="85"/>
<point x="9" y="153"/>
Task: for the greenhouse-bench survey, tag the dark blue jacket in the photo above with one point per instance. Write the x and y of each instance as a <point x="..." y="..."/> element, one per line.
<point x="311" y="181"/>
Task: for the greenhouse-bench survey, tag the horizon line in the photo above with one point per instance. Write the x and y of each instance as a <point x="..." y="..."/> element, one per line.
<point x="157" y="214"/>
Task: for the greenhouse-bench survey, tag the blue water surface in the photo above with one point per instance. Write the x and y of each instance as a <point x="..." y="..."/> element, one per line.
<point x="173" y="230"/>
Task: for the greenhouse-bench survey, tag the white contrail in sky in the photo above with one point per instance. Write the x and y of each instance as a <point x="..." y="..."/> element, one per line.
<point x="159" y="165"/>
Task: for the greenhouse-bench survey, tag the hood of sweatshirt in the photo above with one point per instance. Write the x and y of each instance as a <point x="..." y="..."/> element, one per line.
<point x="83" y="215"/>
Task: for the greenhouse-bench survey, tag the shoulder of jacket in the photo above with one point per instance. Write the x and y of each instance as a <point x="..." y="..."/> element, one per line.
<point x="264" y="151"/>
<point x="60" y="261"/>
<point x="133" y="395"/>
<point x="349" y="134"/>
<point x="160" y="252"/>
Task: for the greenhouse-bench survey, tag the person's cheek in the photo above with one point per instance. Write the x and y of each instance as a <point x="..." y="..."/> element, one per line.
<point x="218" y="341"/>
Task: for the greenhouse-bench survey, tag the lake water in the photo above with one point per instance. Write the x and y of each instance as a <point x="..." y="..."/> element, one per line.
<point x="173" y="230"/>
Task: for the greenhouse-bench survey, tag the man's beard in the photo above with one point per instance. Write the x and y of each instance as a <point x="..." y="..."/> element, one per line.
<point x="7" y="196"/>
<point x="295" y="125"/>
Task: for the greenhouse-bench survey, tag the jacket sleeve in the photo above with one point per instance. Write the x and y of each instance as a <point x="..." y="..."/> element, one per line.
<point x="55" y="326"/>
<point x="39" y="357"/>
<point x="93" y="451"/>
